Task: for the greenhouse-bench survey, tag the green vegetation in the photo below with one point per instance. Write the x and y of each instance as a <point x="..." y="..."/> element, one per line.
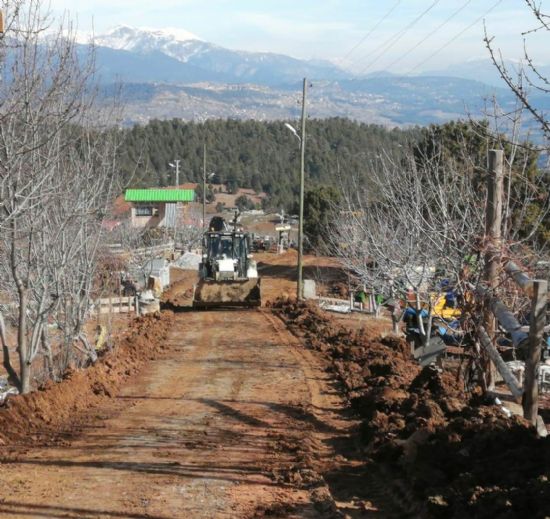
<point x="319" y="206"/>
<point x="210" y="195"/>
<point x="263" y="156"/>
<point x="244" y="203"/>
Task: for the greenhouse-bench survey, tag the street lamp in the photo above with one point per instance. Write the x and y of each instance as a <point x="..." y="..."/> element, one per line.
<point x="176" y="165"/>
<point x="205" y="176"/>
<point x="302" y="138"/>
<point x="294" y="131"/>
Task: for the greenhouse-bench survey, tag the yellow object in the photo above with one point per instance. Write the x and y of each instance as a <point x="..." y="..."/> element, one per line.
<point x="100" y="343"/>
<point x="441" y="310"/>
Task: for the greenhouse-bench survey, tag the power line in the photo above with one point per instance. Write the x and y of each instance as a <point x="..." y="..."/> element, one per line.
<point x="378" y="24"/>
<point x="390" y="42"/>
<point x="436" y="30"/>
<point x="454" y="38"/>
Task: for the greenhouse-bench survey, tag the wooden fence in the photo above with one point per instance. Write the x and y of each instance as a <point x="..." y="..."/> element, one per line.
<point x="338" y="305"/>
<point x="143" y="252"/>
<point x="116" y="305"/>
<point x="530" y="339"/>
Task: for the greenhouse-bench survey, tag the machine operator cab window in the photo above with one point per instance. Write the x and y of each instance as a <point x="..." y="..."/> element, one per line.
<point x="228" y="246"/>
<point x="225" y="247"/>
<point x="215" y="246"/>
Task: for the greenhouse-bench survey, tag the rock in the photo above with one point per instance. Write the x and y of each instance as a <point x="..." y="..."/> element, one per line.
<point x="323" y="501"/>
<point x="541" y="427"/>
<point x="410" y="445"/>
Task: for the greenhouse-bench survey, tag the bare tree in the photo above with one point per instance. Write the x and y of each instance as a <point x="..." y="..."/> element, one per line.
<point x="413" y="219"/>
<point x="527" y="76"/>
<point x="56" y="162"/>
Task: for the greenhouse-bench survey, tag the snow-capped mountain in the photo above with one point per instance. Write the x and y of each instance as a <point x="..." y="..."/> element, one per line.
<point x="124" y="37"/>
<point x="167" y="73"/>
<point x="175" y="43"/>
<point x="190" y="52"/>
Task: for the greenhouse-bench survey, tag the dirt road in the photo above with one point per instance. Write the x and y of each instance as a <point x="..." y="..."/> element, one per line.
<point x="230" y="422"/>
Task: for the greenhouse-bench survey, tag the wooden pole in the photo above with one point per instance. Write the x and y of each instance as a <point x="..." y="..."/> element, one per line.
<point x="493" y="224"/>
<point x="509" y="378"/>
<point x="538" y="321"/>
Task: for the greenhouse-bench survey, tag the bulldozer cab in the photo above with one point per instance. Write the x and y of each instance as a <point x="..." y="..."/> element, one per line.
<point x="229" y="245"/>
<point x="227" y="275"/>
<point x="220" y="247"/>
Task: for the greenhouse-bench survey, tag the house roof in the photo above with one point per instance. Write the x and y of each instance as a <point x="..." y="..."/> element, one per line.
<point x="159" y="195"/>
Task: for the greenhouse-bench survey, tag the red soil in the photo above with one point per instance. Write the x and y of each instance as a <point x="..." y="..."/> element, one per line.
<point x="39" y="416"/>
<point x="462" y="459"/>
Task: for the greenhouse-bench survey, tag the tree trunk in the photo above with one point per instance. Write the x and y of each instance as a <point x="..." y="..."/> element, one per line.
<point x="419" y="320"/>
<point x="428" y="328"/>
<point x="22" y="342"/>
<point x="48" y="352"/>
<point x="13" y="378"/>
<point x="90" y="350"/>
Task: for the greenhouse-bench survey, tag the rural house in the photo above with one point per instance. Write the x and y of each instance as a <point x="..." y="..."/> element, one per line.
<point x="153" y="208"/>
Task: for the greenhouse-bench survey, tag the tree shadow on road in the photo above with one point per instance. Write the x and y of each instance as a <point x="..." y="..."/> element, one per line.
<point x="215" y="472"/>
<point x="12" y="508"/>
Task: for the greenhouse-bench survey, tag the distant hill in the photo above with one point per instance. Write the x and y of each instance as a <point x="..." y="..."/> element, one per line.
<point x="131" y="54"/>
<point x="390" y="101"/>
<point x="167" y="74"/>
<point x="484" y="71"/>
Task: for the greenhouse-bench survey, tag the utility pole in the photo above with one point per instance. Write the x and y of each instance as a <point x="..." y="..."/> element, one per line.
<point x="176" y="166"/>
<point x="177" y="163"/>
<point x="300" y="287"/>
<point x="493" y="224"/>
<point x="204" y="187"/>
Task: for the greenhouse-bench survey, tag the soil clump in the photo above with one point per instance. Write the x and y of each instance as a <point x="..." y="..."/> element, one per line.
<point x="460" y="458"/>
<point x="44" y="415"/>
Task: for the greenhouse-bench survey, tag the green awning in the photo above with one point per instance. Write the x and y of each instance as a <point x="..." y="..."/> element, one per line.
<point x="159" y="195"/>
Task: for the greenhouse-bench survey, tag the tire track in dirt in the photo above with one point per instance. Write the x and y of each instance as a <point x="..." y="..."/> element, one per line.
<point x="208" y="430"/>
<point x="357" y="488"/>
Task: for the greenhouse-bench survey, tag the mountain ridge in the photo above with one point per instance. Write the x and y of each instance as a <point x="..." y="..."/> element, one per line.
<point x="170" y="76"/>
<point x="231" y="65"/>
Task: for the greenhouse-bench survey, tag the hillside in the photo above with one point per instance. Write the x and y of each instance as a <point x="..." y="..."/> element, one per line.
<point x="164" y="74"/>
<point x="262" y="156"/>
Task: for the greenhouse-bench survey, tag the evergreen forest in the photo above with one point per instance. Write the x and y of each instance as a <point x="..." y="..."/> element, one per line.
<point x="264" y="156"/>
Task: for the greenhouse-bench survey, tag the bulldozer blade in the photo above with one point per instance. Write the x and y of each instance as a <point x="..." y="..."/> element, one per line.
<point x="217" y="294"/>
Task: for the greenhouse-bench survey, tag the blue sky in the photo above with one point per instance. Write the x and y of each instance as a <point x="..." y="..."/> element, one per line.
<point x="330" y="29"/>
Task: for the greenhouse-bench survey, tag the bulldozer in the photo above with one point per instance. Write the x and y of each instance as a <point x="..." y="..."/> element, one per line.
<point x="228" y="276"/>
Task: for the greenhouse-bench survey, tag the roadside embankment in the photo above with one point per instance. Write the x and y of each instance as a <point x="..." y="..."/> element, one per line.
<point x="40" y="416"/>
<point x="459" y="457"/>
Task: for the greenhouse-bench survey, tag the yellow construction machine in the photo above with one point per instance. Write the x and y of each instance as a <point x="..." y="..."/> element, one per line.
<point x="228" y="276"/>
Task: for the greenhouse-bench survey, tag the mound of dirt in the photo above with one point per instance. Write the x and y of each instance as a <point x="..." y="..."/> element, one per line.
<point x="246" y="292"/>
<point x="180" y="292"/>
<point x="460" y="458"/>
<point x="40" y="416"/>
